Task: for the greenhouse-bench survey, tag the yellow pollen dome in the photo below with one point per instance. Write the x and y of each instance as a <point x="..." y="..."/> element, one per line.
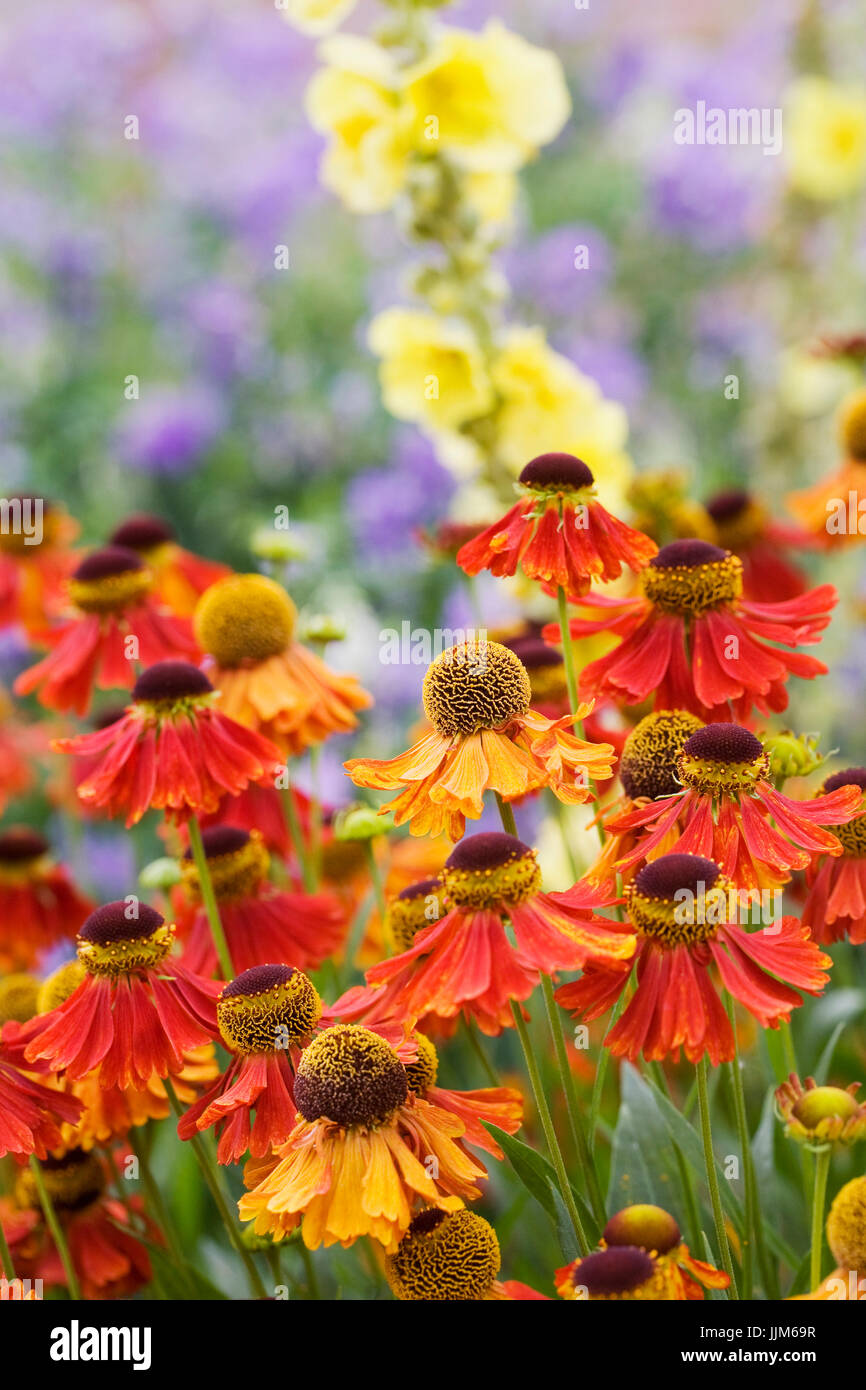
<point x="647" y="1226"/>
<point x="474" y="686"/>
<point x="678" y="899"/>
<point x="647" y="767"/>
<point x="422" y="1073"/>
<point x="244" y="618"/>
<point x="267" y="1008"/>
<point x="491" y="868"/>
<point x="112" y="943"/>
<point x="846" y="1226"/>
<point x="237" y="860"/>
<point x="350" y="1076"/>
<point x="722" y="759"/>
<point x="445" y="1257"/>
<point x="852" y="425"/>
<point x="19" y="995"/>
<point x="109" y="580"/>
<point x="692" y="576"/>
<point x="415" y="907"/>
<point x="60" y="985"/>
<point x="72" y="1182"/>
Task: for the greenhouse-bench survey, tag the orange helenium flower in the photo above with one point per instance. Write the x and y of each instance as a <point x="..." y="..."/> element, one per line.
<point x="464" y="961"/>
<point x="181" y="576"/>
<point x="136" y="1011"/>
<point x="497" y="1105"/>
<point x="744" y="526"/>
<point x="693" y="641"/>
<point x="358" y="1159"/>
<point x="835" y="906"/>
<point x="558" y="533"/>
<point x="265" y="1016"/>
<point x="30" y="1114"/>
<point x="679" y="905"/>
<point x="39" y="904"/>
<point x="34" y="570"/>
<point x="118" y="624"/>
<point x="726" y="811"/>
<point x="268" y="680"/>
<point x="484" y="738"/>
<point x="173" y="750"/>
<point x="261" y="921"/>
<point x="642" y="1257"/>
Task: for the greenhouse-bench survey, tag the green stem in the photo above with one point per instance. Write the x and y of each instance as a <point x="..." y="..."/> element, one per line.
<point x="506" y="815"/>
<point x="315" y="817"/>
<point x="567" y="651"/>
<point x="547" y="1125"/>
<point x="211" y="1176"/>
<point x="475" y="1044"/>
<point x="712" y="1175"/>
<point x="754" y="1220"/>
<point x="307" y="869"/>
<point x="310" y="1273"/>
<point x="208" y="897"/>
<point x="155" y="1199"/>
<point x="819" y="1199"/>
<point x="601" y="1073"/>
<point x="554" y="1018"/>
<point x="6" y="1265"/>
<point x="56" y="1229"/>
<point x="376" y="878"/>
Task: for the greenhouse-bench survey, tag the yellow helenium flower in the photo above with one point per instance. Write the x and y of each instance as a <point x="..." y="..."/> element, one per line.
<point x="548" y="405"/>
<point x="825" y="137"/>
<point x="432" y="370"/>
<point x="488" y="100"/>
<point x="315" y="16"/>
<point x="354" y="99"/>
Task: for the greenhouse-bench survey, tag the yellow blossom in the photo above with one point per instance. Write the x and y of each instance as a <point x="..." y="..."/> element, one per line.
<point x="432" y="370"/>
<point x="548" y="405"/>
<point x="488" y="100"/>
<point x="354" y="99"/>
<point x="825" y="137"/>
<point x="315" y="16"/>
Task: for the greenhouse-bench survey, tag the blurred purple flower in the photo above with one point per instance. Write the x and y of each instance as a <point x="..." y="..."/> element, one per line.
<point x="169" y="429"/>
<point x="385" y="505"/>
<point x="562" y="271"/>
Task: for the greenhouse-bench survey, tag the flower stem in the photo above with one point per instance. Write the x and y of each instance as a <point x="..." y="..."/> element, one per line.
<point x="554" y="1018"/>
<point x="819" y="1199"/>
<point x="506" y="815"/>
<point x="567" y="651"/>
<point x="754" y="1222"/>
<point x="56" y="1229"/>
<point x="376" y="878"/>
<point x="211" y="1176"/>
<point x="475" y="1044"/>
<point x="307" y="868"/>
<point x="547" y="1125"/>
<point x="208" y="897"/>
<point x="6" y="1264"/>
<point x="155" y="1199"/>
<point x="712" y="1175"/>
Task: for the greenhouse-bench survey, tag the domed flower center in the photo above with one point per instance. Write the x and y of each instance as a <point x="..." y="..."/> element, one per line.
<point x="60" y="985"/>
<point x="649" y="1227"/>
<point x="19" y="994"/>
<point x="824" y="1103"/>
<point x="739" y="519"/>
<point x="110" y="580"/>
<point x="490" y="870"/>
<point x="476" y="685"/>
<point x="544" y="666"/>
<point x="244" y="619"/>
<point x="72" y="1182"/>
<point x="853" y="427"/>
<point x="722" y="760"/>
<point x="615" y="1273"/>
<point x="169" y="687"/>
<point x="678" y="899"/>
<point x="444" y="1257"/>
<point x="691" y="577"/>
<point x="415" y="907"/>
<point x="23" y="855"/>
<point x="142" y="533"/>
<point x="350" y="1076"/>
<point x="648" y="766"/>
<point x="422" y="1073"/>
<point x="267" y="1009"/>
<point x="853" y="834"/>
<point x="846" y="1226"/>
<point x="558" y="475"/>
<point x="237" y="860"/>
<point x="123" y="937"/>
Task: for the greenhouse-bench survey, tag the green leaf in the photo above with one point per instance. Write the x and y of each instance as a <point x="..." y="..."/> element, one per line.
<point x="822" y="1068"/>
<point x="538" y="1177"/>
